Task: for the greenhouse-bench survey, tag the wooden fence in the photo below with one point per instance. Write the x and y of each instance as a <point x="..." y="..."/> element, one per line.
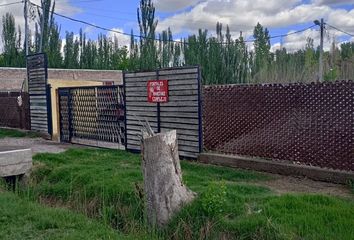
<point x="182" y="112"/>
<point x="37" y="74"/>
<point x="11" y="113"/>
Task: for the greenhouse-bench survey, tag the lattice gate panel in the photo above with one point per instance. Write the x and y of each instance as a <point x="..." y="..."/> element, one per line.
<point x="64" y="115"/>
<point x="93" y="116"/>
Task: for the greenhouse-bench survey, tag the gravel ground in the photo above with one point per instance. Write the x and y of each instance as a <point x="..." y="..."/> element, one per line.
<point x="38" y="145"/>
<point x="288" y="184"/>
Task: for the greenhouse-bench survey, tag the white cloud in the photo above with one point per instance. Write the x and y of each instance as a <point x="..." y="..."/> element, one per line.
<point x="298" y="41"/>
<point x="62" y="6"/>
<point x="243" y="15"/>
<point x="173" y="5"/>
<point x="123" y="40"/>
<point x="342" y="19"/>
<point x="332" y="2"/>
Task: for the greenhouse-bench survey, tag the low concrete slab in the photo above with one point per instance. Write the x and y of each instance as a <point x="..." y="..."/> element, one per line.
<point x="282" y="168"/>
<point x="14" y="161"/>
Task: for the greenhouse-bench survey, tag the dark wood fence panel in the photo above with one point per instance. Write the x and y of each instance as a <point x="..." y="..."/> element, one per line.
<point x="309" y="124"/>
<point x="37" y="74"/>
<point x="182" y="112"/>
<point x="11" y="114"/>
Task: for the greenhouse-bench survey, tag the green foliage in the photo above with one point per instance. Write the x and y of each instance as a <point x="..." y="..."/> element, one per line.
<point x="213" y="199"/>
<point x="147" y="26"/>
<point x="262" y="56"/>
<point x="351" y="185"/>
<point x="17" y="134"/>
<point x="11" y="38"/>
<point x="331" y="75"/>
<point x="106" y="185"/>
<point x="20" y="219"/>
<point x="224" y="59"/>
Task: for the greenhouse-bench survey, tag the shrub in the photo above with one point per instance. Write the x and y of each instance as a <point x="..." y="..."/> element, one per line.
<point x="213" y="199"/>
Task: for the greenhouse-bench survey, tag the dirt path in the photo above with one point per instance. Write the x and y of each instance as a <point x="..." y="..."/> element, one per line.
<point x="287" y="184"/>
<point x="38" y="145"/>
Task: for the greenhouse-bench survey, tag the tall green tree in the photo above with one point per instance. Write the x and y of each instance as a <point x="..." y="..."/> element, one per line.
<point x="147" y="25"/>
<point x="47" y="36"/>
<point x="11" y="38"/>
<point x="262" y="56"/>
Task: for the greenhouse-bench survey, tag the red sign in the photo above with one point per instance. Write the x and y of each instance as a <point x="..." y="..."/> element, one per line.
<point x="157" y="91"/>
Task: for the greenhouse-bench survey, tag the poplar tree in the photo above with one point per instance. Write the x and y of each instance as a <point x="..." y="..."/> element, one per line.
<point x="11" y="42"/>
<point x="147" y="26"/>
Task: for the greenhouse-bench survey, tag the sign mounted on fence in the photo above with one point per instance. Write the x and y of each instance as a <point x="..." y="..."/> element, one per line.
<point x="157" y="91"/>
<point x="181" y="111"/>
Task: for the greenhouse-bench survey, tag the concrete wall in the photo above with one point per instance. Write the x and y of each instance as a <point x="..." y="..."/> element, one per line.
<point x="11" y="79"/>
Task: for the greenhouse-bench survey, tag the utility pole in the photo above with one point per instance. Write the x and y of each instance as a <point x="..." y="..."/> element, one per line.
<point x="25" y="14"/>
<point x="320" y="70"/>
<point x="42" y="28"/>
<point x="321" y="52"/>
<point x="26" y="25"/>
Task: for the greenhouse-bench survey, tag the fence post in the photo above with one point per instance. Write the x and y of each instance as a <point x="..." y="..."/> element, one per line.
<point x="158" y="107"/>
<point x="200" y="113"/>
<point x="49" y="109"/>
<point x="125" y="112"/>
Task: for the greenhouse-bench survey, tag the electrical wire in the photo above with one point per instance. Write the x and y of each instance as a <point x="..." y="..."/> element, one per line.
<point x="156" y="39"/>
<point x="340" y="30"/>
<point x="84" y="1"/>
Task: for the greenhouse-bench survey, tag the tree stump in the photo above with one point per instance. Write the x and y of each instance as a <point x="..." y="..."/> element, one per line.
<point x="164" y="190"/>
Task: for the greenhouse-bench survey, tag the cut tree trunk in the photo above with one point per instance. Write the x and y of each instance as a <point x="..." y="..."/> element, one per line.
<point x="164" y="190"/>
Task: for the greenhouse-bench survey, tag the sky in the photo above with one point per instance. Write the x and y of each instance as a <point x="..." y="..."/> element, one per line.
<point x="187" y="16"/>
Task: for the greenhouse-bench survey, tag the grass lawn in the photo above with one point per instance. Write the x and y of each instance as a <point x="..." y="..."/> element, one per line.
<point x="15" y="133"/>
<point x="20" y="219"/>
<point x="106" y="186"/>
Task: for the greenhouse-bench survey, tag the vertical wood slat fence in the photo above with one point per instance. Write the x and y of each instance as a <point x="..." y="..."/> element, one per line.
<point x="39" y="92"/>
<point x="182" y="112"/>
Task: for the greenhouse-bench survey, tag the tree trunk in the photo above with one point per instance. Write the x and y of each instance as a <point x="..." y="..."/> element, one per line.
<point x="164" y="190"/>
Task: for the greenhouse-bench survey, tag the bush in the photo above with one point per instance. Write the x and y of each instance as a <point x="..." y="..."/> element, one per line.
<point x="351" y="185"/>
<point x="213" y="199"/>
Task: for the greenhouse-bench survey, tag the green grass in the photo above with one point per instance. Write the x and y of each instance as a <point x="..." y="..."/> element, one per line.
<point x="351" y="185"/>
<point x="20" y="219"/>
<point x="106" y="185"/>
<point x="16" y="133"/>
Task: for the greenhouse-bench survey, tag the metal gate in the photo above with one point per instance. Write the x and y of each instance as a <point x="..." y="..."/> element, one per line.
<point x="92" y="116"/>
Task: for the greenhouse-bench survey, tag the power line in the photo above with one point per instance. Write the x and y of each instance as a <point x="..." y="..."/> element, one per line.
<point x="85" y="1"/>
<point x="8" y="4"/>
<point x="155" y="39"/>
<point x="285" y="35"/>
<point x="340" y="30"/>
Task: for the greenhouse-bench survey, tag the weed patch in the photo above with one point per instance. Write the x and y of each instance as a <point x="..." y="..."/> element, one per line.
<point x="20" y="219"/>
<point x="16" y="134"/>
<point x="106" y="185"/>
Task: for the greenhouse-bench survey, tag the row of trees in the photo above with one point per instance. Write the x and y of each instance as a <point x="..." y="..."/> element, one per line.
<point x="223" y="58"/>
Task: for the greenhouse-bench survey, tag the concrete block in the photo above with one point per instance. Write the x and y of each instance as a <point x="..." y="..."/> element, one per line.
<point x="14" y="161"/>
